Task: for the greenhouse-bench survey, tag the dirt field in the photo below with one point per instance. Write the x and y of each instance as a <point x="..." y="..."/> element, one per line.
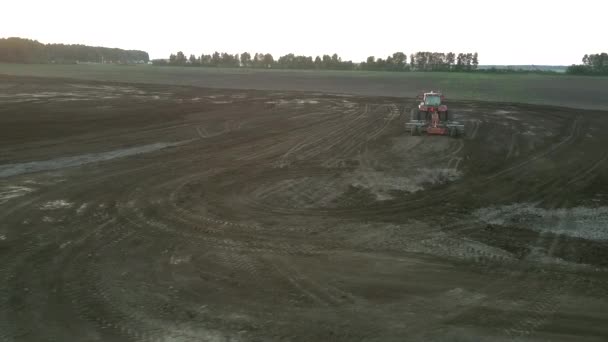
<point x="559" y="90"/>
<point x="165" y="213"/>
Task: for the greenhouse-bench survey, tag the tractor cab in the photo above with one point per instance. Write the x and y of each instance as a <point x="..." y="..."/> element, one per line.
<point x="432" y="100"/>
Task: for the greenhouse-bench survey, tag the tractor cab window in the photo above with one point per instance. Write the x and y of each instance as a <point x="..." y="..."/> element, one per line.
<point x="432" y="100"/>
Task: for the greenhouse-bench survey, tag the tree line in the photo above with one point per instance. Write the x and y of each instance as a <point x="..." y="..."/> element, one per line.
<point x="398" y="61"/>
<point x="19" y="50"/>
<point x="424" y="61"/>
<point x="593" y="64"/>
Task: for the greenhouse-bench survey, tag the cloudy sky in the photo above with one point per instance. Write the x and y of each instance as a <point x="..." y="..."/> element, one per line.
<point x="557" y="32"/>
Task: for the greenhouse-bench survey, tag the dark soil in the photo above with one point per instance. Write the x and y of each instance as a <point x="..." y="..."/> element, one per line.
<point x="133" y="212"/>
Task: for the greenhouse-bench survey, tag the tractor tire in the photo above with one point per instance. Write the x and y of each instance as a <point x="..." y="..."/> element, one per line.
<point x="421" y="115"/>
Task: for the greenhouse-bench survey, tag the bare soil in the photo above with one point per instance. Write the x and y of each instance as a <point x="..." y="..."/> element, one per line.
<point x="133" y="212"/>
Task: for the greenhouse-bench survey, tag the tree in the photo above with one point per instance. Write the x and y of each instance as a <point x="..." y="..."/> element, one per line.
<point x="205" y="60"/>
<point x="399" y="61"/>
<point x="468" y="59"/>
<point x="259" y="60"/>
<point x="19" y="50"/>
<point x="369" y="63"/>
<point x="228" y="61"/>
<point x="435" y="61"/>
<point x="459" y="62"/>
<point x="245" y="59"/>
<point x="389" y="62"/>
<point x="335" y="61"/>
<point x="287" y="61"/>
<point x="304" y="62"/>
<point x="593" y="64"/>
<point x="216" y="59"/>
<point x="598" y="63"/>
<point x="180" y="59"/>
<point x="475" y="61"/>
<point x="326" y="61"/>
<point x="291" y="61"/>
<point x="450" y="59"/>
<point x="421" y="61"/>
<point x="318" y="63"/>
<point x="268" y="61"/>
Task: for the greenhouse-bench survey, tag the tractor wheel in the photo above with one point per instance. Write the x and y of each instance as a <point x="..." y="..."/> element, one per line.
<point x="421" y="115"/>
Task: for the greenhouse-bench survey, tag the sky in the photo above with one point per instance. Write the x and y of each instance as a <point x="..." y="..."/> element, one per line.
<point x="509" y="32"/>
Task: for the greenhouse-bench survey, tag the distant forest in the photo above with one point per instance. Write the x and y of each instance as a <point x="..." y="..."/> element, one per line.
<point x="398" y="61"/>
<point x="19" y="50"/>
<point x="594" y="64"/>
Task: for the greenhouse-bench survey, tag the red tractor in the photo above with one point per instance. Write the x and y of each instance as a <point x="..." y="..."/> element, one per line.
<point x="432" y="117"/>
